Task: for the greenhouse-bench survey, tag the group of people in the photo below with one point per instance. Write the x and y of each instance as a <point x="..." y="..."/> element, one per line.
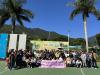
<point x="70" y="58"/>
<point x="20" y="59"/>
<point x="81" y="59"/>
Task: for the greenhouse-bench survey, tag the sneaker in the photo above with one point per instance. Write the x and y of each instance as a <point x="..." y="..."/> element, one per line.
<point x="95" y="68"/>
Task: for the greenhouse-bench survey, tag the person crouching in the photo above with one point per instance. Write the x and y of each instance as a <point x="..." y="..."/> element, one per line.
<point x="78" y="63"/>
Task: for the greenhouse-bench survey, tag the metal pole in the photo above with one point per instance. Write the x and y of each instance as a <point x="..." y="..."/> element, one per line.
<point x="68" y="41"/>
<point x="48" y="36"/>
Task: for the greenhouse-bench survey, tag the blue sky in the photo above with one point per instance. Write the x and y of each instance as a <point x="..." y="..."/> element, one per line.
<point x="53" y="15"/>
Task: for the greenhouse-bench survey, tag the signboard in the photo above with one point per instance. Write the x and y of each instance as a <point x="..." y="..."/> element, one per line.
<point x="12" y="42"/>
<point x="42" y="45"/>
<point x="3" y="45"/>
<point x="22" y="42"/>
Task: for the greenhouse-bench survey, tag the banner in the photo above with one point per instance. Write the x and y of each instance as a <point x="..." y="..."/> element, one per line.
<point x="3" y="45"/>
<point x="22" y="42"/>
<point x="12" y="41"/>
<point x="52" y="64"/>
<point x="42" y="45"/>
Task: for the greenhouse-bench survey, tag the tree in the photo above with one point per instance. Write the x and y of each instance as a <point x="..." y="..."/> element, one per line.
<point x="60" y="38"/>
<point x="98" y="39"/>
<point x="13" y="9"/>
<point x="85" y="7"/>
<point x="78" y="41"/>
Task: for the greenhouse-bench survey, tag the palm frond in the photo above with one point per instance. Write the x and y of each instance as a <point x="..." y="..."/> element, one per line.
<point x="21" y="1"/>
<point x="3" y="19"/>
<point x="24" y="18"/>
<point x="95" y="12"/>
<point x="85" y="7"/>
<point x="11" y="6"/>
<point x="74" y="13"/>
<point x="27" y="13"/>
<point x="2" y="12"/>
<point x="13" y="9"/>
<point x="20" y="21"/>
<point x="71" y="4"/>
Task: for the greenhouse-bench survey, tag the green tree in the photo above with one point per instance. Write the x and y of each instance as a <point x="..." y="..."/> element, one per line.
<point x="85" y="7"/>
<point x="78" y="41"/>
<point x="61" y="38"/>
<point x="98" y="39"/>
<point x="13" y="9"/>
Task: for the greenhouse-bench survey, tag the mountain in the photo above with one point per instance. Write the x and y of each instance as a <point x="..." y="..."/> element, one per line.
<point x="34" y="33"/>
<point x="37" y="33"/>
<point x="92" y="41"/>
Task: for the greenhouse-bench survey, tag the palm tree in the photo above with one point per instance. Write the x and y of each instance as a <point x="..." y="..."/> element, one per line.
<point x="12" y="9"/>
<point x="85" y="7"/>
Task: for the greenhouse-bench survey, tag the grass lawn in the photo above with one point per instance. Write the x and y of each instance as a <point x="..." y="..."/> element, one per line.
<point x="39" y="71"/>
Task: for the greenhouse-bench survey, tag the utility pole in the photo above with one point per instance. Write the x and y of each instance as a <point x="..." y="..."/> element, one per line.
<point x="68" y="40"/>
<point x="48" y="36"/>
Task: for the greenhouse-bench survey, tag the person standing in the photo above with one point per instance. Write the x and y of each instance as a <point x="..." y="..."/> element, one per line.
<point x="19" y="60"/>
<point x="89" y="59"/>
<point x="83" y="57"/>
<point x="94" y="63"/>
<point x="12" y="60"/>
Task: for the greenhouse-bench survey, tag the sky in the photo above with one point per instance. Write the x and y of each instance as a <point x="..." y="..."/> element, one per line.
<point x="53" y="15"/>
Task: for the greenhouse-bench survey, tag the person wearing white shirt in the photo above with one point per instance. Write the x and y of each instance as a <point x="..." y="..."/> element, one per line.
<point x="83" y="57"/>
<point x="78" y="63"/>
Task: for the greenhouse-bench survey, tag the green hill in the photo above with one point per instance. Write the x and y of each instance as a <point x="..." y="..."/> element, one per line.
<point x="33" y="33"/>
<point x="37" y="33"/>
